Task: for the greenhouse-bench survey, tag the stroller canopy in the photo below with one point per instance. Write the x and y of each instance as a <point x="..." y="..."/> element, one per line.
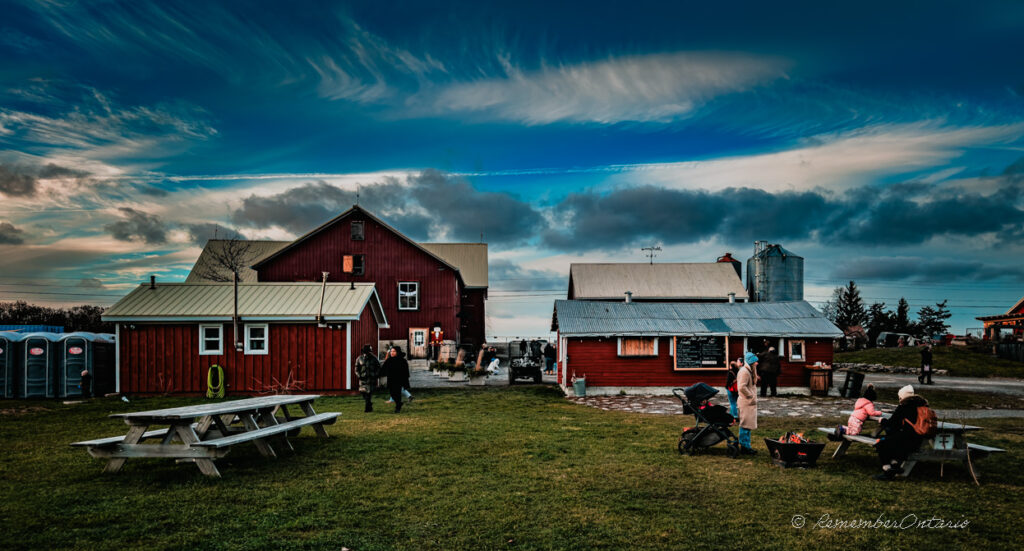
<point x="699" y="392"/>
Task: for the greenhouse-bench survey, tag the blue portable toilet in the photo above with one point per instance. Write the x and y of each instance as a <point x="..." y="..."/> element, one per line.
<point x="10" y="363"/>
<point x="38" y="378"/>
<point x="84" y="351"/>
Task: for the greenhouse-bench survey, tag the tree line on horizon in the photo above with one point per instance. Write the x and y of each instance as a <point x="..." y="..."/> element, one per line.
<point x="73" y="318"/>
<point x="846" y="309"/>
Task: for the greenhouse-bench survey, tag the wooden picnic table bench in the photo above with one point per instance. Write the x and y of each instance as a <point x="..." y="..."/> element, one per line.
<point x="948" y="444"/>
<point x="206" y="432"/>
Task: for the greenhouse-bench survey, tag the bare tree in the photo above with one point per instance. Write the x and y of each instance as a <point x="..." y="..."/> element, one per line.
<point x="225" y="257"/>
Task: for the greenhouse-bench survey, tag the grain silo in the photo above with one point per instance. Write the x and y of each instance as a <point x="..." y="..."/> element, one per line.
<point x="774" y="274"/>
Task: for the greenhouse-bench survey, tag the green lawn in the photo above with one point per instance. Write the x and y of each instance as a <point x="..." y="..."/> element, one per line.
<point x="960" y="361"/>
<point x="956" y="399"/>
<point x="516" y="468"/>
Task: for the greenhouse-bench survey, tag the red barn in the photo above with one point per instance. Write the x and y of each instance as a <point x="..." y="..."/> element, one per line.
<point x="650" y="348"/>
<point x="420" y="285"/>
<point x="308" y="334"/>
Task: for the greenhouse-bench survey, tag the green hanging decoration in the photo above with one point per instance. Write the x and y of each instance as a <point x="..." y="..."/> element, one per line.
<point x="215" y="382"/>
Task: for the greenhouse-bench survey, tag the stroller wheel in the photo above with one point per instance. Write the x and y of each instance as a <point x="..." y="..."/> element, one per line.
<point x="732" y="449"/>
<point x="686" y="444"/>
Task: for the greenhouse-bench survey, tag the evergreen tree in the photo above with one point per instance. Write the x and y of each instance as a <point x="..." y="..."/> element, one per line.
<point x="850" y="308"/>
<point x="902" y="322"/>
<point x="831" y="307"/>
<point x="879" y="320"/>
<point x="932" y="321"/>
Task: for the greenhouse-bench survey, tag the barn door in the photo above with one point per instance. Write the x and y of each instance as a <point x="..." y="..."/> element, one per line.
<point x="418" y="342"/>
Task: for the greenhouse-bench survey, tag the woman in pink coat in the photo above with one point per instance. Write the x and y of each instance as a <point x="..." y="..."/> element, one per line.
<point x="746" y="386"/>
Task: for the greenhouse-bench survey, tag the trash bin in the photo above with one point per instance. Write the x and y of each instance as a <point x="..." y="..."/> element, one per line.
<point x="852" y="384"/>
<point x="819" y="382"/>
<point x="10" y="363"/>
<point x="579" y="387"/>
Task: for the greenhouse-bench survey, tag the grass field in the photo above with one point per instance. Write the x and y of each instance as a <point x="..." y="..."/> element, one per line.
<point x="516" y="468"/>
<point x="959" y="361"/>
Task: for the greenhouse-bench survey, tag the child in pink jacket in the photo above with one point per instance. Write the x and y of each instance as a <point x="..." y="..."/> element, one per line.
<point x="863" y="409"/>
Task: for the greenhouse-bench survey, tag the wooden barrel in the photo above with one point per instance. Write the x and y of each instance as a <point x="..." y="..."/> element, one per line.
<point x="819" y="382"/>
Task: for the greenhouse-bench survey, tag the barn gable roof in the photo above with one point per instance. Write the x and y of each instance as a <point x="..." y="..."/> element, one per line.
<point x="768" y="319"/>
<point x="470" y="258"/>
<point x="666" y="281"/>
<point x="256" y="301"/>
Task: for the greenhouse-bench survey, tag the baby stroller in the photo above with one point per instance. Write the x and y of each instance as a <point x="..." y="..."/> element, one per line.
<point x="712" y="421"/>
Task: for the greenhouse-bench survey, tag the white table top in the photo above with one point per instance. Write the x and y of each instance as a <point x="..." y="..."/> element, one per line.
<point x="219" y="408"/>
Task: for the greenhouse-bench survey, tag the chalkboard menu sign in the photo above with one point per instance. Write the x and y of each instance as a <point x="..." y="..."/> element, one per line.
<point x="700" y="353"/>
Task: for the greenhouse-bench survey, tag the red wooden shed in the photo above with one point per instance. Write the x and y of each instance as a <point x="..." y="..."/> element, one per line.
<point x="310" y="334"/>
<point x="650" y="348"/>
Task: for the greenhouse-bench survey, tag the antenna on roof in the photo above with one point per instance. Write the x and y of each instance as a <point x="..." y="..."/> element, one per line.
<point x="650" y="252"/>
<point x="357" y="196"/>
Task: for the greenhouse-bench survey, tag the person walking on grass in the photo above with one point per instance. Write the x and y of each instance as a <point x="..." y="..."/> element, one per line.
<point x="367" y="370"/>
<point x="396" y="368"/>
<point x="746" y="386"/>
<point x="730" y="387"/>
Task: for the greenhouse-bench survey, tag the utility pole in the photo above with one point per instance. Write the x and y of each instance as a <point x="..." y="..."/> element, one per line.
<point x="650" y="252"/>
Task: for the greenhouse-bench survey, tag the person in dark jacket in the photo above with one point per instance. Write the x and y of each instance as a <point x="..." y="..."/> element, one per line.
<point x="900" y="438"/>
<point x="770" y="367"/>
<point x="925" y="377"/>
<point x="367" y="369"/>
<point x="549" y="358"/>
<point x="396" y="368"/>
<point x="86" y="384"/>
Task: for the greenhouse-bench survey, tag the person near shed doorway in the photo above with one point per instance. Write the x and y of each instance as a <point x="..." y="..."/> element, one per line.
<point x="549" y="359"/>
<point x="730" y="386"/>
<point x="925" y="377"/>
<point x="367" y="369"/>
<point x="396" y="368"/>
<point x="746" y="386"/>
<point x="770" y="367"/>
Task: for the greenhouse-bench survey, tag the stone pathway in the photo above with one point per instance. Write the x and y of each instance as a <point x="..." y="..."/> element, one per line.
<point x="779" y="406"/>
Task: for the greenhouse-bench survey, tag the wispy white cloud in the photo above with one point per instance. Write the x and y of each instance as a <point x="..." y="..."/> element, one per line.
<point x="644" y="88"/>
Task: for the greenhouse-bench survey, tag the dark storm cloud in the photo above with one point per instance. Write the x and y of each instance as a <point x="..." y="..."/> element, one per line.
<point x="425" y="202"/>
<point x="90" y="283"/>
<point x="902" y="214"/>
<point x="201" y="233"/>
<point x="137" y="225"/>
<point x="504" y="274"/>
<point x="924" y="270"/>
<point x="10" y="235"/>
<point x="20" y="180"/>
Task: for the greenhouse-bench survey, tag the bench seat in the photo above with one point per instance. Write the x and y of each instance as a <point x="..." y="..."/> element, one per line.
<point x="985" y="449"/>
<point x="114" y="440"/>
<point x="851" y="437"/>
<point x="320" y="418"/>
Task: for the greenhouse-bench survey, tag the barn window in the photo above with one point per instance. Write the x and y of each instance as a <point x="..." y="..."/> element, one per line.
<point x="354" y="264"/>
<point x="408" y="295"/>
<point x="256" y="337"/>
<point x="797" y="353"/>
<point x="638" y="346"/>
<point x="211" y="340"/>
<point x="358" y="230"/>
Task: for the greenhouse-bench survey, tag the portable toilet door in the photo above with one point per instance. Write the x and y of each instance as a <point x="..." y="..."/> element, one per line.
<point x="76" y="357"/>
<point x="38" y="375"/>
<point x="104" y="365"/>
<point x="10" y="360"/>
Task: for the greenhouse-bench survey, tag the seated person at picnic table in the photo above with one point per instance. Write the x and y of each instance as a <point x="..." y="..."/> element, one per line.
<point x="864" y="408"/>
<point x="905" y="429"/>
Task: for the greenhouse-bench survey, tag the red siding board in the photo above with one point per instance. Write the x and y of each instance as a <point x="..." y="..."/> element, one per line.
<point x="598" y="360"/>
<point x="389" y="260"/>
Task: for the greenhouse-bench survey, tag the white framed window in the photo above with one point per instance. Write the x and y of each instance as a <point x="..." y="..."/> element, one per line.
<point x="257" y="338"/>
<point x="211" y="340"/>
<point x="408" y="295"/>
<point x="638" y="346"/>
<point x="797" y="351"/>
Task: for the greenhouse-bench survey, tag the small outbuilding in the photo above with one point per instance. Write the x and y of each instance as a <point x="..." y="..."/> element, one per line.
<point x="652" y="347"/>
<point x="303" y="334"/>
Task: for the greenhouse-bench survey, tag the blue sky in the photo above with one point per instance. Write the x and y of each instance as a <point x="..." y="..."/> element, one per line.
<point x="883" y="142"/>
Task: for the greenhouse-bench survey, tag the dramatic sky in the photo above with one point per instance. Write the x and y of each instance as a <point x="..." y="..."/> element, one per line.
<point x="883" y="142"/>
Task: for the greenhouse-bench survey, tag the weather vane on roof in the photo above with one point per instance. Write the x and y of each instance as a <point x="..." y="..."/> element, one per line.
<point x="650" y="252"/>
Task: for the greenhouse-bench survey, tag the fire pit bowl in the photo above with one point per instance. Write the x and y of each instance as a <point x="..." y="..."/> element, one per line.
<point x="785" y="454"/>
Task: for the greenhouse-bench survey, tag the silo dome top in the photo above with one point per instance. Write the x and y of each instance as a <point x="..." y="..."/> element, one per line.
<point x="776" y="250"/>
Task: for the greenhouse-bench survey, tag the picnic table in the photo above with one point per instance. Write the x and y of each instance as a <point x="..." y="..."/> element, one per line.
<point x="206" y="432"/>
<point x="948" y="444"/>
